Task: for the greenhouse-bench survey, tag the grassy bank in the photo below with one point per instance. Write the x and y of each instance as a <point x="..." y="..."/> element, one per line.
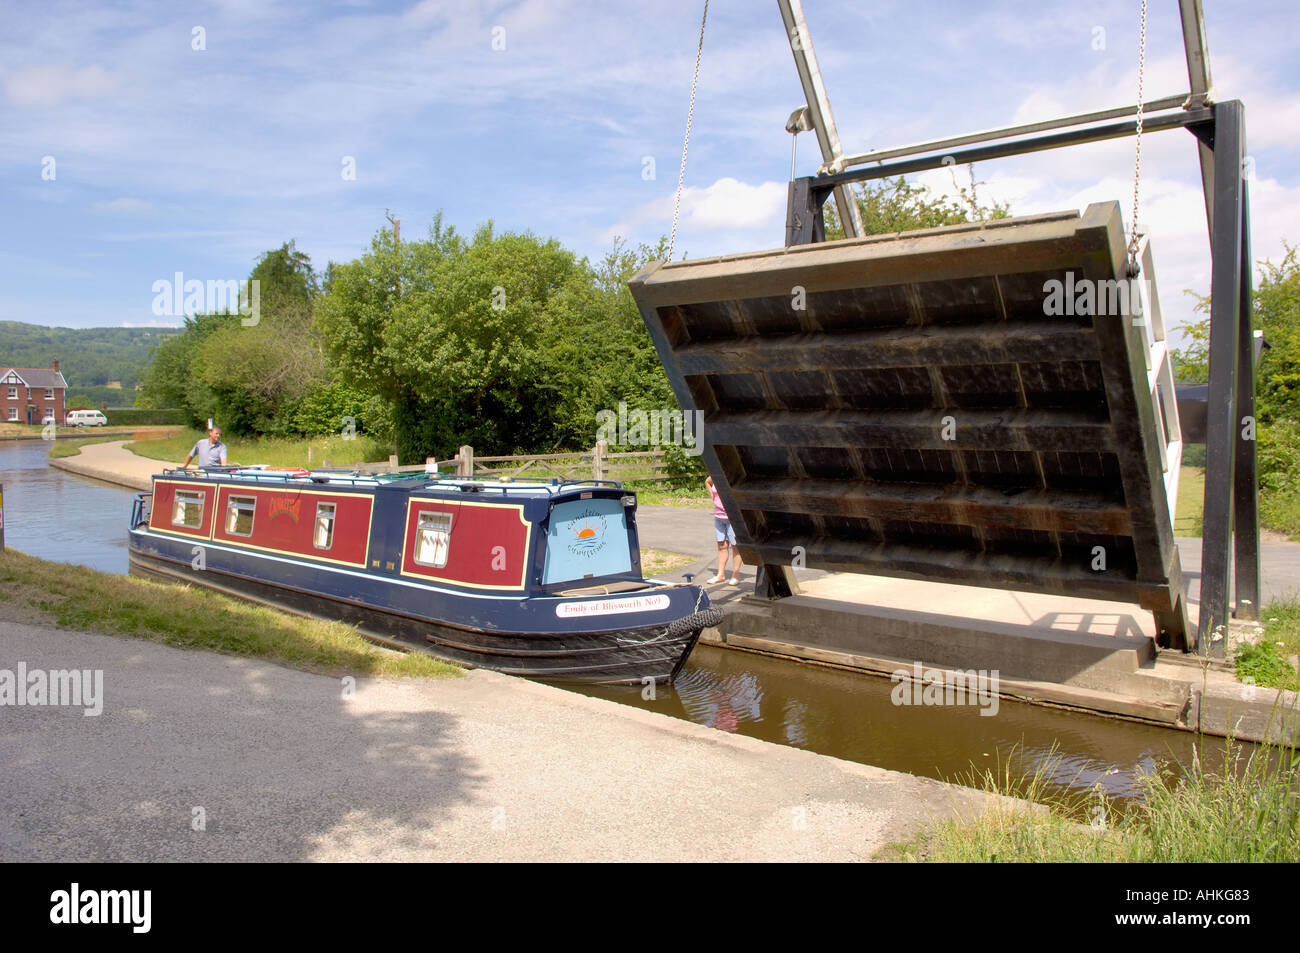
<point x="651" y="494"/>
<point x="1249" y="813"/>
<point x="1268" y="663"/>
<point x="190" y="617"/>
<point x="655" y="562"/>
<point x="272" y="451"/>
<point x="1191" y="501"/>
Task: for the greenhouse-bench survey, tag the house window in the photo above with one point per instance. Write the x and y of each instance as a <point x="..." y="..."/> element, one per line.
<point x="49" y="393"/>
<point x="239" y="515"/>
<point x="433" y="539"/>
<point x="323" y="538"/>
<point x="13" y="413"/>
<point x="188" y="510"/>
<point x="13" y="392"/>
<point x="49" y="411"/>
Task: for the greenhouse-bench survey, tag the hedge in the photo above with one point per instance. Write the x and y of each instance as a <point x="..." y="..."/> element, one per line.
<point x="136" y="416"/>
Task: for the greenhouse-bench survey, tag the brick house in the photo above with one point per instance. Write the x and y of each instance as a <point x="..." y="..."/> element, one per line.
<point x="28" y="394"/>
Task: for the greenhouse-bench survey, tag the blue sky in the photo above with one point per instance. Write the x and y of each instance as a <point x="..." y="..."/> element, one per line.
<point x="169" y="159"/>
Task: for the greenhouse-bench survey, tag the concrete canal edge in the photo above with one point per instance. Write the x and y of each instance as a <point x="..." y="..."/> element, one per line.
<point x="1119" y="677"/>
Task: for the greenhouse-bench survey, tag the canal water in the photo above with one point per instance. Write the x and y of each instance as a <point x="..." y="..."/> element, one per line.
<point x="60" y="517"/>
<point x="65" y="518"/>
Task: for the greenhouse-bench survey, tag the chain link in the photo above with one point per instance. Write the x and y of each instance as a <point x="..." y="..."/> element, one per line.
<point x="686" y="144"/>
<point x="1137" y="161"/>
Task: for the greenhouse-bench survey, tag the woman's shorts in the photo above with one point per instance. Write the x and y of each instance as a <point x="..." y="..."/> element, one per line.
<point x="723" y="532"/>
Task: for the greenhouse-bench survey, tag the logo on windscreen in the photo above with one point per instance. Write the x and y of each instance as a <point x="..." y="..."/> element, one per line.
<point x="588" y="531"/>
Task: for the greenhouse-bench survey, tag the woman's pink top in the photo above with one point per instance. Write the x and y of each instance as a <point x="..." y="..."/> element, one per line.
<point x="719" y="511"/>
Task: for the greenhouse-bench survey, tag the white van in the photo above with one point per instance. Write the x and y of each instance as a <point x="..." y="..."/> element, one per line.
<point x="86" y="418"/>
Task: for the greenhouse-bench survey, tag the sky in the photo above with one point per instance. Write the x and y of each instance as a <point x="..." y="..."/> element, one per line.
<point x="139" y="140"/>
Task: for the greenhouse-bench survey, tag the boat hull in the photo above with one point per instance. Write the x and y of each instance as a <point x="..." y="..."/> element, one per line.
<point x="634" y="654"/>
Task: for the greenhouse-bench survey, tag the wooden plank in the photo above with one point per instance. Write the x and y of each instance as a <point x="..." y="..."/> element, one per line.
<point x="1030" y="430"/>
<point x="1049" y="511"/>
<point x="1009" y="343"/>
<point x="1001" y="247"/>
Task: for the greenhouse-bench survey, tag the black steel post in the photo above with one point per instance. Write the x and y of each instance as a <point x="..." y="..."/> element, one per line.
<point x="804" y="223"/>
<point x="1222" y="424"/>
<point x="1246" y="494"/>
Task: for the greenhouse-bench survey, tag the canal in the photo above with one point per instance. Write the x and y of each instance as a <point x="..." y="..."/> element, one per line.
<point x="66" y="518"/>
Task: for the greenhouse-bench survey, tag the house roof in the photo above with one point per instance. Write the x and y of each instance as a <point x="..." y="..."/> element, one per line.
<point x="37" y="376"/>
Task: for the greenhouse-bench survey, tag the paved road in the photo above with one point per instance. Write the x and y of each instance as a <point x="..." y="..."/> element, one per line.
<point x="483" y="767"/>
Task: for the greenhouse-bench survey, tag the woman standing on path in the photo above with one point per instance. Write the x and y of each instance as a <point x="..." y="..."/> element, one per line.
<point x="726" y="537"/>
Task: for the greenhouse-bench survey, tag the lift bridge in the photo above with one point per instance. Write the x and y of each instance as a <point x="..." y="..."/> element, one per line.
<point x="912" y="405"/>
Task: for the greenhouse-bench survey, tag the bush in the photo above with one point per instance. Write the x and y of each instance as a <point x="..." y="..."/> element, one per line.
<point x="683" y="469"/>
<point x="136" y="416"/>
<point x="1278" y="463"/>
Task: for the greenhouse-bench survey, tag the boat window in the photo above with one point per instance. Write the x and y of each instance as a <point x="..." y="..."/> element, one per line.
<point x="239" y="515"/>
<point x="587" y="538"/>
<point x="433" y="539"/>
<point x="324" y="536"/>
<point x="188" y="509"/>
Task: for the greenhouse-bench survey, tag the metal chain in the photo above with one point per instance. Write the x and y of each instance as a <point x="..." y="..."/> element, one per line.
<point x="686" y="144"/>
<point x="1137" y="161"/>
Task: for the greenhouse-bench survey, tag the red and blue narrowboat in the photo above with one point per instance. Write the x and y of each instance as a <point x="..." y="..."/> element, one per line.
<point x="540" y="579"/>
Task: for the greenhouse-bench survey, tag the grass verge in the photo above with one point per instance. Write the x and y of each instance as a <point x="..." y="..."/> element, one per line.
<point x="656" y="561"/>
<point x="190" y="617"/>
<point x="71" y="448"/>
<point x="1191" y="501"/>
<point x="272" y="451"/>
<point x="1248" y="813"/>
<point x="1268" y="663"/>
<point x="653" y="494"/>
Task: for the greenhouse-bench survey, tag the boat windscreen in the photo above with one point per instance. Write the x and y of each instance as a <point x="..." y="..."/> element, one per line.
<point x="587" y="538"/>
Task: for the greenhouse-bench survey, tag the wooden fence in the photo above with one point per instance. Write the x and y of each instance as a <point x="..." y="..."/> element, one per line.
<point x="594" y="464"/>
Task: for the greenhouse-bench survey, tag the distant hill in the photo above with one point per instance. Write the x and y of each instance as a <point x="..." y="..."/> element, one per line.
<point x="90" y="358"/>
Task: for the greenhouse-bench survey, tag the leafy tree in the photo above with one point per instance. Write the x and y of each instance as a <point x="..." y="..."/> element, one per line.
<point x="172" y="379"/>
<point x="287" y="283"/>
<point x="1276" y="311"/>
<point x="507" y="342"/>
<point x="245" y="375"/>
<point x="895" y="205"/>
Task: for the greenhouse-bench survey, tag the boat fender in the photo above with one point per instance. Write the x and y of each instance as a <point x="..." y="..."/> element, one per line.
<point x="704" y="619"/>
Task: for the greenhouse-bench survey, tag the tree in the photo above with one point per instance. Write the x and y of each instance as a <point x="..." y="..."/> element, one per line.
<point x="247" y="375"/>
<point x="172" y="379"/>
<point x="1276" y="312"/>
<point x="894" y="205"/>
<point x="507" y="342"/>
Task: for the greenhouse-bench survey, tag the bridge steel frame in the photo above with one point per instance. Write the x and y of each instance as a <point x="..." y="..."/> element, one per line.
<point x="1230" y="537"/>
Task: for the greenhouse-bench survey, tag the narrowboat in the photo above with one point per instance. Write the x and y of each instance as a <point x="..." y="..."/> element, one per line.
<point x="539" y="579"/>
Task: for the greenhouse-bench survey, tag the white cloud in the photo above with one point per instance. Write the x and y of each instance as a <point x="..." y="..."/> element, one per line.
<point x="34" y="87"/>
<point x="726" y="205"/>
<point x="725" y="217"/>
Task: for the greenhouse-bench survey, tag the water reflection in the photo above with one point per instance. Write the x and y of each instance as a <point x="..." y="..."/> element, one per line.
<point x="852" y="716"/>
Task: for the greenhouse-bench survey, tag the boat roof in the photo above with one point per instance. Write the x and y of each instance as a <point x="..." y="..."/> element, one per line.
<point x="410" y="482"/>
